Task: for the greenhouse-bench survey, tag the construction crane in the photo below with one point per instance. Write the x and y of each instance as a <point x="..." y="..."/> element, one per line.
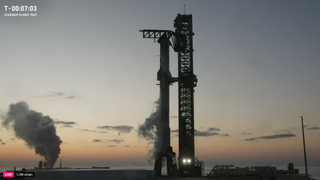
<point x="182" y="42"/>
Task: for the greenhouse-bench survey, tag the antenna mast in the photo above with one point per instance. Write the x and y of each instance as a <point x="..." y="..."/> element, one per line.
<point x="304" y="148"/>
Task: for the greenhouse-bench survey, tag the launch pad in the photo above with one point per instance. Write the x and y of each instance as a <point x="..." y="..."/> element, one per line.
<point x="182" y="42"/>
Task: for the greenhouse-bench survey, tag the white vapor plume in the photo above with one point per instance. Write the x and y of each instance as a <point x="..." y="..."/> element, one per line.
<point x="149" y="130"/>
<point x="36" y="130"/>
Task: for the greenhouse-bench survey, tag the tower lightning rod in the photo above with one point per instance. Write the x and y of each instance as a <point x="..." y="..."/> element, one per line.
<point x="184" y="8"/>
<point x="304" y="148"/>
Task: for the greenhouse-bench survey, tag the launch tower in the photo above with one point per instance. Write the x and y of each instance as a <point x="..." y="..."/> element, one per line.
<point x="187" y="81"/>
<point x="182" y="42"/>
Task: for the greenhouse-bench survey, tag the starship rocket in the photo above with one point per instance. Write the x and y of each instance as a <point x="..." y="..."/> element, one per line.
<point x="165" y="78"/>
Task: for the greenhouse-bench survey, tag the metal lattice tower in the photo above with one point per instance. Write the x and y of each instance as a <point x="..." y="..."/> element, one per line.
<point x="187" y="81"/>
<point x="182" y="43"/>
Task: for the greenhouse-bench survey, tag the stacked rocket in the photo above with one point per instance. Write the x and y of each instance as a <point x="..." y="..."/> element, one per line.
<point x="165" y="78"/>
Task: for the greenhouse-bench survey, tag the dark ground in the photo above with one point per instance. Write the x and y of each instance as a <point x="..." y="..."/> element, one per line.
<point x="191" y="178"/>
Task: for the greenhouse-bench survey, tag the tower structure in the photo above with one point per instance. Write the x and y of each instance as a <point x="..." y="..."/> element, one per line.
<point x="182" y="42"/>
<point x="187" y="82"/>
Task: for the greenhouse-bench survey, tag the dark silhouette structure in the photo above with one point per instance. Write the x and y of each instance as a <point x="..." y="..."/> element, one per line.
<point x="182" y="42"/>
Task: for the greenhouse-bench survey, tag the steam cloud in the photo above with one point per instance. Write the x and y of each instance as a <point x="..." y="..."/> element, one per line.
<point x="149" y="130"/>
<point x="36" y="130"/>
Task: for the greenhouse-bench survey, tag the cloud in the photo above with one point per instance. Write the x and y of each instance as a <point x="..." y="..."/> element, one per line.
<point x="96" y="140"/>
<point x="65" y="123"/>
<point x="207" y="133"/>
<point x="71" y="97"/>
<point x="87" y="130"/>
<point x="108" y="140"/>
<point x="120" y="129"/>
<point x="213" y="129"/>
<point x="116" y="140"/>
<point x="60" y="94"/>
<point x="245" y="133"/>
<point x="175" y="130"/>
<point x="3" y="143"/>
<point x="54" y="94"/>
<point x="314" y="128"/>
<point x="288" y="131"/>
<point x="276" y="136"/>
<point x="112" y="146"/>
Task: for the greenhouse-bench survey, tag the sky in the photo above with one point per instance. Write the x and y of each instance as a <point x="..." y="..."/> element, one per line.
<point x="86" y="66"/>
